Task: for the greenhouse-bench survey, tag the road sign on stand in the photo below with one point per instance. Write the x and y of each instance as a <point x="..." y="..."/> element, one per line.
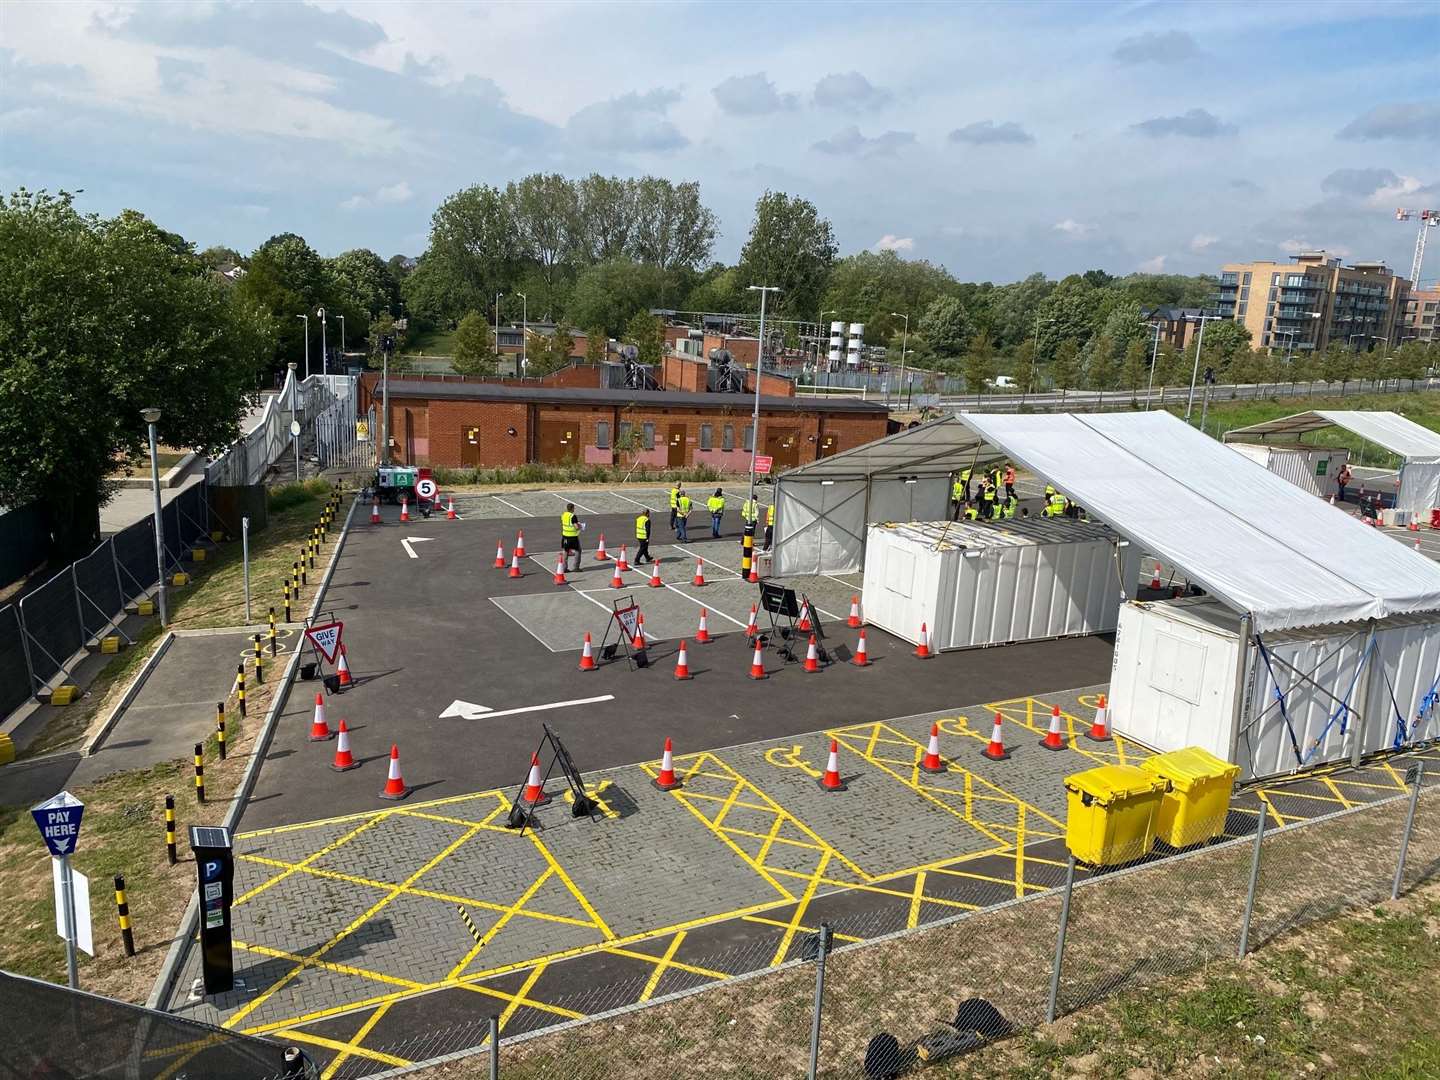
<point x="425" y="488"/>
<point x="80" y="895"/>
<point x="59" y="822"/>
<point x="763" y="464"/>
<point x="326" y="638"/>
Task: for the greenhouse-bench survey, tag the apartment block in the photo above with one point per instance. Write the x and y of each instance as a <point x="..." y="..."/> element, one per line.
<point x="1421" y="312"/>
<point x="1314" y="300"/>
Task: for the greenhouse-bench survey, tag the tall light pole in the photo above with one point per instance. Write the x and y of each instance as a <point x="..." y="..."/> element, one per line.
<point x="342" y="333"/>
<point x="824" y="335"/>
<point x="904" y="343"/>
<point x="759" y="366"/>
<point x="324" y="348"/>
<point x="524" y="327"/>
<point x="498" y="295"/>
<point x="306" y="319"/>
<point x="151" y="418"/>
<point x="1034" y="358"/>
<point x="1195" y="373"/>
<point x="1154" y="357"/>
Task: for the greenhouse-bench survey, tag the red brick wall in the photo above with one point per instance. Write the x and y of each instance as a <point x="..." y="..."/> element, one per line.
<point x="680" y="373"/>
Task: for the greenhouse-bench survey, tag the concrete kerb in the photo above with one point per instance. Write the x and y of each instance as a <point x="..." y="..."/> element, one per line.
<point x="189" y="922"/>
<point x="130" y="691"/>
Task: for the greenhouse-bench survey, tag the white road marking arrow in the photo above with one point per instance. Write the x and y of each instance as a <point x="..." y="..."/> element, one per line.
<point x="466" y="710"/>
<point x="414" y="540"/>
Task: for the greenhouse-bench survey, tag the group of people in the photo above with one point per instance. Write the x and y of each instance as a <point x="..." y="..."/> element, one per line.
<point x="681" y="506"/>
<point x="994" y="499"/>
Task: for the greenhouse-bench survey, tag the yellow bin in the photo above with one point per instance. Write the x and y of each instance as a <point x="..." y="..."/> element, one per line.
<point x="1111" y="813"/>
<point x="1197" y="795"/>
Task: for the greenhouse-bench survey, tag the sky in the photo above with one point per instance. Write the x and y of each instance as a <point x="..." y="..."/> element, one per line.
<point x="995" y="139"/>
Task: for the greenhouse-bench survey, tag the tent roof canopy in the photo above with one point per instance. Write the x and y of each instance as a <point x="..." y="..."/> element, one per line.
<point x="1385" y="429"/>
<point x="1251" y="538"/>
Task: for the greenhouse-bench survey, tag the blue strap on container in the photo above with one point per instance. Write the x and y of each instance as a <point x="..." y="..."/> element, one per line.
<point x="1342" y="711"/>
<point x="1280" y="700"/>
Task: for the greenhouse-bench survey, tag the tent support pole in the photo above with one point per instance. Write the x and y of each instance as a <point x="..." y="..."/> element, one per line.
<point x="1362" y="697"/>
<point x="1237" y="701"/>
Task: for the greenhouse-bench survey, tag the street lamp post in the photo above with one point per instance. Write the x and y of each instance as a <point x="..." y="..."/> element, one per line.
<point x="306" y="319"/>
<point x="904" y="343"/>
<point x="763" y="290"/>
<point x="498" y="295"/>
<point x="1195" y="372"/>
<point x="324" y="348"/>
<point x="1154" y="358"/>
<point x="342" y="333"/>
<point x="1034" y="359"/>
<point x="151" y="418"/>
<point x="524" y="333"/>
<point x="824" y="335"/>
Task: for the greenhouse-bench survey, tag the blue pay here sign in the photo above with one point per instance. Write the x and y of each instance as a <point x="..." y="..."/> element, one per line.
<point x="59" y="822"/>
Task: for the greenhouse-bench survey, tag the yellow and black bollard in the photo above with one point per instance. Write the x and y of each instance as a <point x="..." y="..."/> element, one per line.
<point x="170" y="828"/>
<point x="200" y="773"/>
<point x="303" y="559"/>
<point x="314" y="551"/>
<point x="747" y="547"/>
<point x="287" y="602"/>
<point x="240" y="687"/>
<point x="220" y="728"/>
<point x="274" y="640"/>
<point x="259" y="661"/>
<point x="122" y="910"/>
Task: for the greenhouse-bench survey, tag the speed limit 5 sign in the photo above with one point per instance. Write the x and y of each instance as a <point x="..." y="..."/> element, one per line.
<point x="425" y="488"/>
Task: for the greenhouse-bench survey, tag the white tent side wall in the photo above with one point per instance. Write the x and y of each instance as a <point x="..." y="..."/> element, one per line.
<point x="820" y="523"/>
<point x="1310" y="468"/>
<point x="1419" y="488"/>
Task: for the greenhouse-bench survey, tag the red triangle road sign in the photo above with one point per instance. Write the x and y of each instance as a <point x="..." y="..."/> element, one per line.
<point x="326" y="638"/>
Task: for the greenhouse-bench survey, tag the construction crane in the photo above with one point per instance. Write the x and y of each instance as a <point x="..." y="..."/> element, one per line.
<point x="1428" y="220"/>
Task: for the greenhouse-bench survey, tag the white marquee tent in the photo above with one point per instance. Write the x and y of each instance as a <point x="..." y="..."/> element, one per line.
<point x="1418" y="489"/>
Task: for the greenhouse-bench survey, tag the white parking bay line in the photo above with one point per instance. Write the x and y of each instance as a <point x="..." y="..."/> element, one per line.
<point x="512" y="506"/>
<point x="568" y="499"/>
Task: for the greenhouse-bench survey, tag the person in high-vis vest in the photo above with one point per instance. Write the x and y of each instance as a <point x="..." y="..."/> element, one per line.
<point x="971" y="514"/>
<point x="642" y="536"/>
<point x="716" y="505"/>
<point x="570" y="537"/>
<point x="769" y="526"/>
<point x="1055" y="504"/>
<point x="749" y="510"/>
<point x="965" y="483"/>
<point x="682" y="511"/>
<point x="674" y="502"/>
<point x="1007" y="510"/>
<point x="987" y="499"/>
<point x="958" y="495"/>
<point x="1009" y="480"/>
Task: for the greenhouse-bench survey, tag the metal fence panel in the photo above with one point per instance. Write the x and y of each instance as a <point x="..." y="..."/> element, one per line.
<point x="24" y="540"/>
<point x="52" y="624"/>
<point x="15" y="688"/>
<point x="135" y="556"/>
<point x="100" y="600"/>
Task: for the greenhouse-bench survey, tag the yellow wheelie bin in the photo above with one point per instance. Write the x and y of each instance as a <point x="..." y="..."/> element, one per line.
<point x="1111" y="812"/>
<point x="1197" y="794"/>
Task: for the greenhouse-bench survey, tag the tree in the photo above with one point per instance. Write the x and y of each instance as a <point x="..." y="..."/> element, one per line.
<point x="606" y="214"/>
<point x="1224" y="340"/>
<point x="1025" y="373"/>
<point x="979" y="363"/>
<point x="1100" y="367"/>
<point x="1135" y="370"/>
<point x="672" y="228"/>
<point x="473" y="245"/>
<point x="608" y="294"/>
<point x="381" y="327"/>
<point x="1073" y="312"/>
<point x="545" y="210"/>
<point x="1170" y="366"/>
<point x="790" y="246"/>
<point x="869" y="287"/>
<point x="435" y="294"/>
<point x="647" y="334"/>
<point x="1013" y="308"/>
<point x="597" y="345"/>
<point x="1337" y="364"/>
<point x="286" y="279"/>
<point x="474" y="345"/>
<point x="1064" y="368"/>
<point x="362" y="283"/>
<point x="945" y="327"/>
<point x="217" y="255"/>
<point x="549" y="352"/>
<point x="718" y="289"/>
<point x="100" y="318"/>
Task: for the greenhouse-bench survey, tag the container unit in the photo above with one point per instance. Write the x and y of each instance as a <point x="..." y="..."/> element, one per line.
<point x="837" y="342"/>
<point x="1312" y="468"/>
<point x="855" y="351"/>
<point x="1183" y="676"/>
<point x="976" y="583"/>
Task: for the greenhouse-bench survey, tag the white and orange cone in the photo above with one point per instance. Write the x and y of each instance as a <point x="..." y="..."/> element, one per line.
<point x="854" y="620"/>
<point x="344" y="760"/>
<point x="1054" y="739"/>
<point x="699" y="578"/>
<point x="922" y="650"/>
<point x="404" y="509"/>
<point x="342" y="669"/>
<point x="499" y="556"/>
<point x="375" y="512"/>
<point x="395" y="788"/>
<point x="702" y="635"/>
<point x="804" y="625"/>
<point x="667" y="780"/>
<point x="600" y="555"/>
<point x="655" y="582"/>
<point x="1155" y="578"/>
<point x="1100" y="728"/>
<point x="931" y="762"/>
<point x="319" y="729"/>
<point x="620" y="561"/>
<point x="616" y="581"/>
<point x="860" y="659"/>
<point x="682" y="663"/>
<point x="520" y="543"/>
<point x="450" y="514"/>
<point x="587" y="654"/>
<point x="515" y="564"/>
<point x="996" y="751"/>
<point x="757" y="663"/>
<point x="534" y="787"/>
<point x="812" y="656"/>
<point x="831" y="780"/>
<point x="640" y="627"/>
<point x="751" y="629"/>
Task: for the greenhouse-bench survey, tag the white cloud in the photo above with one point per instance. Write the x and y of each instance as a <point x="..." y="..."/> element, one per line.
<point x="1201" y="241"/>
<point x="850" y="142"/>
<point x="631" y="122"/>
<point x="1295" y="247"/>
<point x="850" y="91"/>
<point x="891" y="242"/>
<point x="1153" y="266"/>
<point x="1389" y="193"/>
<point x="1072" y="228"/>
<point x="388" y="195"/>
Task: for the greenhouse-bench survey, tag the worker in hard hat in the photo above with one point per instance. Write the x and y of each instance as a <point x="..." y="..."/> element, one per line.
<point x="1055" y="504"/>
<point x="682" y="514"/>
<point x="987" y="498"/>
<point x="1009" y="480"/>
<point x="716" y="505"/>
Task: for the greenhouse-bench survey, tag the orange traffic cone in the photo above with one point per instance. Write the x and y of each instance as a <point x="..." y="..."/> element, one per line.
<point x="600" y="555"/>
<point x="638" y="642"/>
<point x="520" y="543"/>
<point x="344" y="760"/>
<point x="450" y="514"/>
<point x="931" y="762"/>
<point x="534" y="787"/>
<point x="754" y="577"/>
<point x="666" y="781"/>
<point x="996" y="751"/>
<point x="699" y="578"/>
<point x="1100" y="729"/>
<point x="620" y="563"/>
<point x="515" y="564"/>
<point x="655" y="582"/>
<point x="404" y="509"/>
<point x="587" y="655"/>
<point x="854" y="620"/>
<point x="702" y="635"/>
<point x="342" y="669"/>
<point x="682" y="662"/>
<point x="395" y="788"/>
<point x="559" y="578"/>
<point x="860" y="659"/>
<point x="757" y="663"/>
<point x="616" y="581"/>
<point x="1155" y="578"/>
<point x="319" y="729"/>
<point x="751" y="630"/>
<point x="804" y="625"/>
<point x="923" y="649"/>
<point x="1053" y="739"/>
<point x="812" y="657"/>
<point x="831" y="780"/>
<point x="375" y="511"/>
<point x="499" y="556"/>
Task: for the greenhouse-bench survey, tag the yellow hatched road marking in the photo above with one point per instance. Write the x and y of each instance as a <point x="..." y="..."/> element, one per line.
<point x="528" y="1002"/>
<point x="575" y="890"/>
<point x="356" y="1041"/>
<point x="677" y="965"/>
<point x="919" y="894"/>
<point x="330" y="965"/>
<point x="522" y="994"/>
<point x="805" y="929"/>
<point x="364" y="814"/>
<point x="335" y="1044"/>
<point x="805" y="898"/>
<point x="305" y="862"/>
<point x="499" y="925"/>
<point x="664" y="963"/>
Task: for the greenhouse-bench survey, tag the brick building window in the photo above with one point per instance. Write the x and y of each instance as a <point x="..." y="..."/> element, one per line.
<point x="707" y="437"/>
<point x="647" y="435"/>
<point x="626" y="430"/>
<point x="602" y="434"/>
<point x="727" y="437"/>
<point x="747" y="437"/>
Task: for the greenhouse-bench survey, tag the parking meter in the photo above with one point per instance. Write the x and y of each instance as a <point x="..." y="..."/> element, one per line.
<point x="215" y="866"/>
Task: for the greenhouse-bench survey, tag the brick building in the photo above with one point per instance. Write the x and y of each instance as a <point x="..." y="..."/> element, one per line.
<point x="472" y="424"/>
<point x="1421" y="316"/>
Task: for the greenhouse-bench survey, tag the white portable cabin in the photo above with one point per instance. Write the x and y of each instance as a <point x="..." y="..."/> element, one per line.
<point x="974" y="583"/>
<point x="1310" y="468"/>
